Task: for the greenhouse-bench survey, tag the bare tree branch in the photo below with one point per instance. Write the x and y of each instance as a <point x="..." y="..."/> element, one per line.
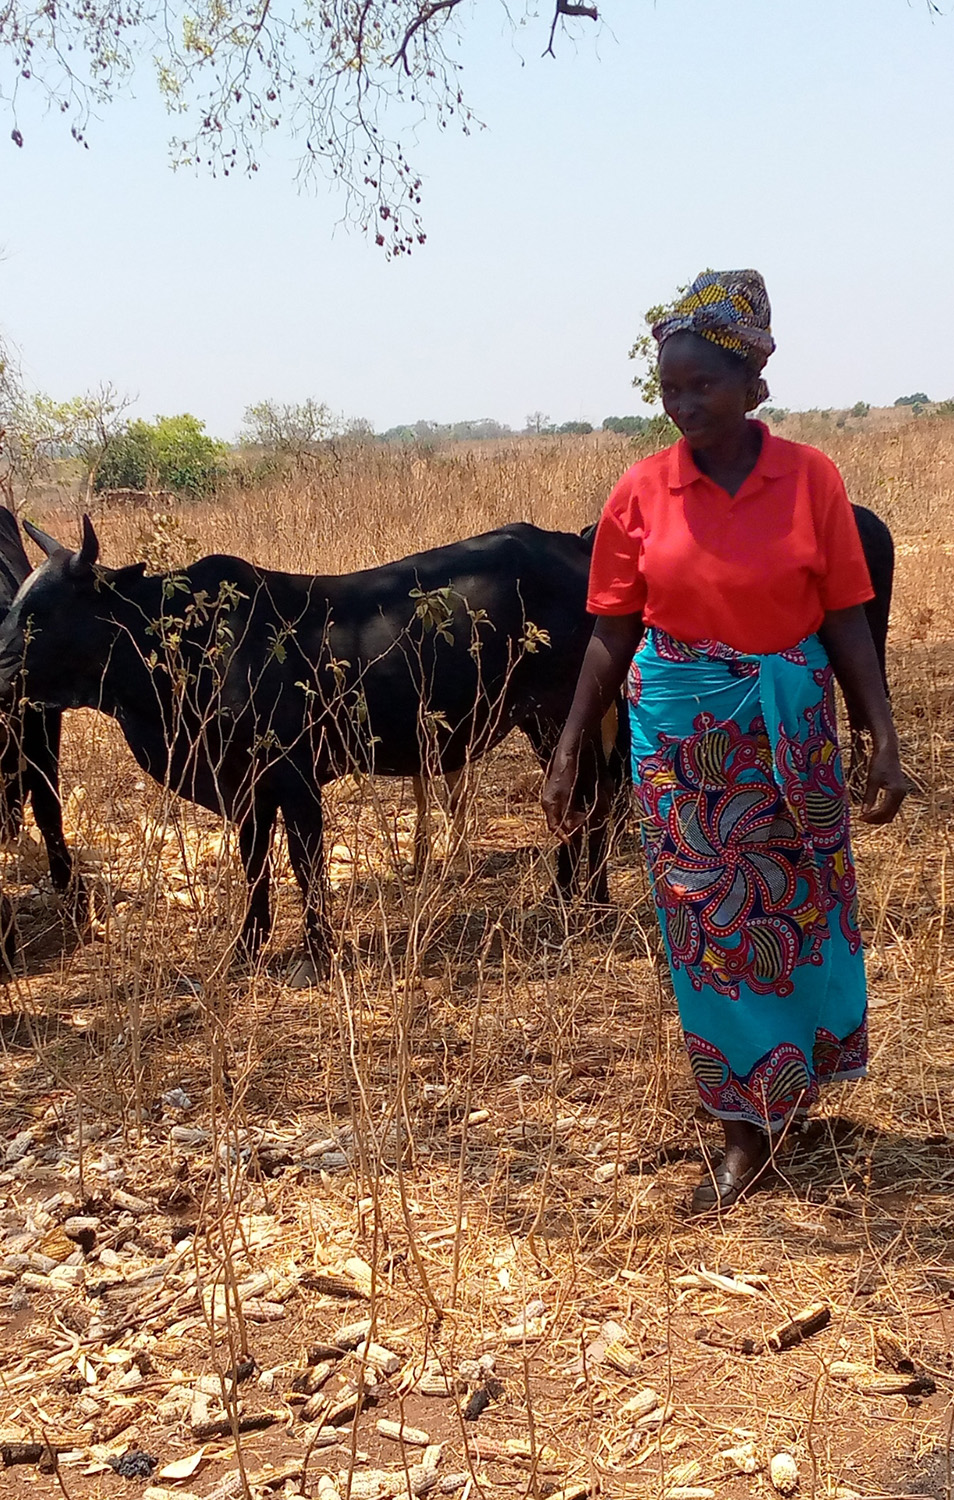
<point x="350" y="81"/>
<point x="427" y="14"/>
<point x="568" y="8"/>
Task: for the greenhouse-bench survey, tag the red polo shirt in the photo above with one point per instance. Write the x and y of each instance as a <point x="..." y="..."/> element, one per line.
<point x="756" y="570"/>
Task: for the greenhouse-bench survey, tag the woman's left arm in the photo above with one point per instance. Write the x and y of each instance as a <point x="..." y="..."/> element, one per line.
<point x="847" y="640"/>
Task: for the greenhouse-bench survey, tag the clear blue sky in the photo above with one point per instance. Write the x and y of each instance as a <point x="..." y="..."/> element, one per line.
<point x="812" y="139"/>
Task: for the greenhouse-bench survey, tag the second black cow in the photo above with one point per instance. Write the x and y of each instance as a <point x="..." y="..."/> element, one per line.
<point x="30" y="756"/>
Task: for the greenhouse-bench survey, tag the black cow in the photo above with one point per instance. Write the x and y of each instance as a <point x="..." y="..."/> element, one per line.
<point x="30" y="754"/>
<point x="245" y="690"/>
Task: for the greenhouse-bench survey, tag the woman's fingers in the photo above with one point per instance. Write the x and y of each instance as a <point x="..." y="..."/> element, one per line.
<point x="562" y="818"/>
<point x="886" y="790"/>
<point x="571" y="824"/>
<point x="886" y="807"/>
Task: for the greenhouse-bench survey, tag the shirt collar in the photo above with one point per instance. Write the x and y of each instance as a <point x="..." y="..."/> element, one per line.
<point x="774" y="460"/>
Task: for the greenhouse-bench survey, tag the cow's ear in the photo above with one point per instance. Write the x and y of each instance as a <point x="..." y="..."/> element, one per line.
<point x="44" y="541"/>
<point x="82" y="561"/>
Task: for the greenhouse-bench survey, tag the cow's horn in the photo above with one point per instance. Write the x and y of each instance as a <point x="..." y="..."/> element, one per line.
<point x="83" y="560"/>
<point x="44" y="541"/>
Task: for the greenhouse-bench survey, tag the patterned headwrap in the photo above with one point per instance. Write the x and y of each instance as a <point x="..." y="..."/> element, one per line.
<point x="731" y="309"/>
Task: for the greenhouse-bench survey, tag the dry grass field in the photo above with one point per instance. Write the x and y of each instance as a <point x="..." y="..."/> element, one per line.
<point x="480" y="1134"/>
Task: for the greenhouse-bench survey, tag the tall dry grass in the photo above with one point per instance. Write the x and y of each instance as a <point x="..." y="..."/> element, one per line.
<point x="483" y="1054"/>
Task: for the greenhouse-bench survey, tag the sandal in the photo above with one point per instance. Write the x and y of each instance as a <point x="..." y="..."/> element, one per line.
<point x="721" y="1188"/>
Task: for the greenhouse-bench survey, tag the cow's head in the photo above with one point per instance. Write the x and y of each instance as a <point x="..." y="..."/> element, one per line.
<point x="55" y="632"/>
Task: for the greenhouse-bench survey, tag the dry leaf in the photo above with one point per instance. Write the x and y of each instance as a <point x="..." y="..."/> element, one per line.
<point x="183" y="1468"/>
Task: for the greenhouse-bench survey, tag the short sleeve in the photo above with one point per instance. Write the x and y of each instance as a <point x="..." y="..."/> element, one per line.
<point x="846" y="580"/>
<point x="617" y="587"/>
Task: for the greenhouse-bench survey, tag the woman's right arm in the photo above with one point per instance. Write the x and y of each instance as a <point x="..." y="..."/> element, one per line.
<point x="608" y="655"/>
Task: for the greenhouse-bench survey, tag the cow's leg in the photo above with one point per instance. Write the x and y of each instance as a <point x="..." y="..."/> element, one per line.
<point x="255" y="844"/>
<point x="12" y="790"/>
<point x="8" y="937"/>
<point x="594" y="791"/>
<point x="42" y="737"/>
<point x="456" y="808"/>
<point x="304" y="826"/>
<point x="422" y="832"/>
<point x="456" y="799"/>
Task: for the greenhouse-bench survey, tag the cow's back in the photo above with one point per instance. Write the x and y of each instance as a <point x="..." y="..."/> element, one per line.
<point x="432" y="657"/>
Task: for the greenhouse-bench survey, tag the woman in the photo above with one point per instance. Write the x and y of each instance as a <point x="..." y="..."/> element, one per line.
<point x="739" y="553"/>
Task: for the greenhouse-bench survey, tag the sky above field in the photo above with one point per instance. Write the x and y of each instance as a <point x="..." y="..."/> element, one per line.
<point x="812" y="140"/>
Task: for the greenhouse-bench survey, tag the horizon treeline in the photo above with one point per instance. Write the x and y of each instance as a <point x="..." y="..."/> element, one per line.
<point x="483" y="428"/>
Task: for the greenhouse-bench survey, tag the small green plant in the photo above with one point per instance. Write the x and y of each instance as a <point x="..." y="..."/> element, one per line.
<point x="163" y="544"/>
<point x="860" y="409"/>
<point x="533" y="638"/>
<point x="660" y="431"/>
<point x="435" y="609"/>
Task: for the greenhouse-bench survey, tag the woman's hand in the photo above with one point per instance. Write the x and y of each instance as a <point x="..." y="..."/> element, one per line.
<point x="886" y="786"/>
<point x="608" y="655"/>
<point x="847" y="639"/>
<point x="563" y="818"/>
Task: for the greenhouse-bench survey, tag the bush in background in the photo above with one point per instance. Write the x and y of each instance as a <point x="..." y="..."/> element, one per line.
<point x="171" y="453"/>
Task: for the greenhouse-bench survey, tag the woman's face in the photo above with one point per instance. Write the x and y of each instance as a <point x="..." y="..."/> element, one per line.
<point x="704" y="391"/>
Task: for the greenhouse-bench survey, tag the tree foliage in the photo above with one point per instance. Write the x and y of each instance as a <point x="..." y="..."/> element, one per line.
<point x="644" y="350"/>
<point x="347" y="80"/>
<point x="172" y="453"/>
<point x="36" y="432"/>
<point x="627" y="426"/>
<point x="473" y="430"/>
<point x="291" y="428"/>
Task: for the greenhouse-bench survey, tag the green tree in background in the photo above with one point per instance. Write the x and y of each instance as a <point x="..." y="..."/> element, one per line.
<point x="171" y="453"/>
<point x="628" y="426"/>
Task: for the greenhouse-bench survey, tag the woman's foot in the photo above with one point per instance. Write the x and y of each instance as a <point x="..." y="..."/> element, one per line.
<point x="747" y="1154"/>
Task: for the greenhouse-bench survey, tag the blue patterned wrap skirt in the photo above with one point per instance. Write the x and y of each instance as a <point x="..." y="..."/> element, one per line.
<point x="741" y="794"/>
